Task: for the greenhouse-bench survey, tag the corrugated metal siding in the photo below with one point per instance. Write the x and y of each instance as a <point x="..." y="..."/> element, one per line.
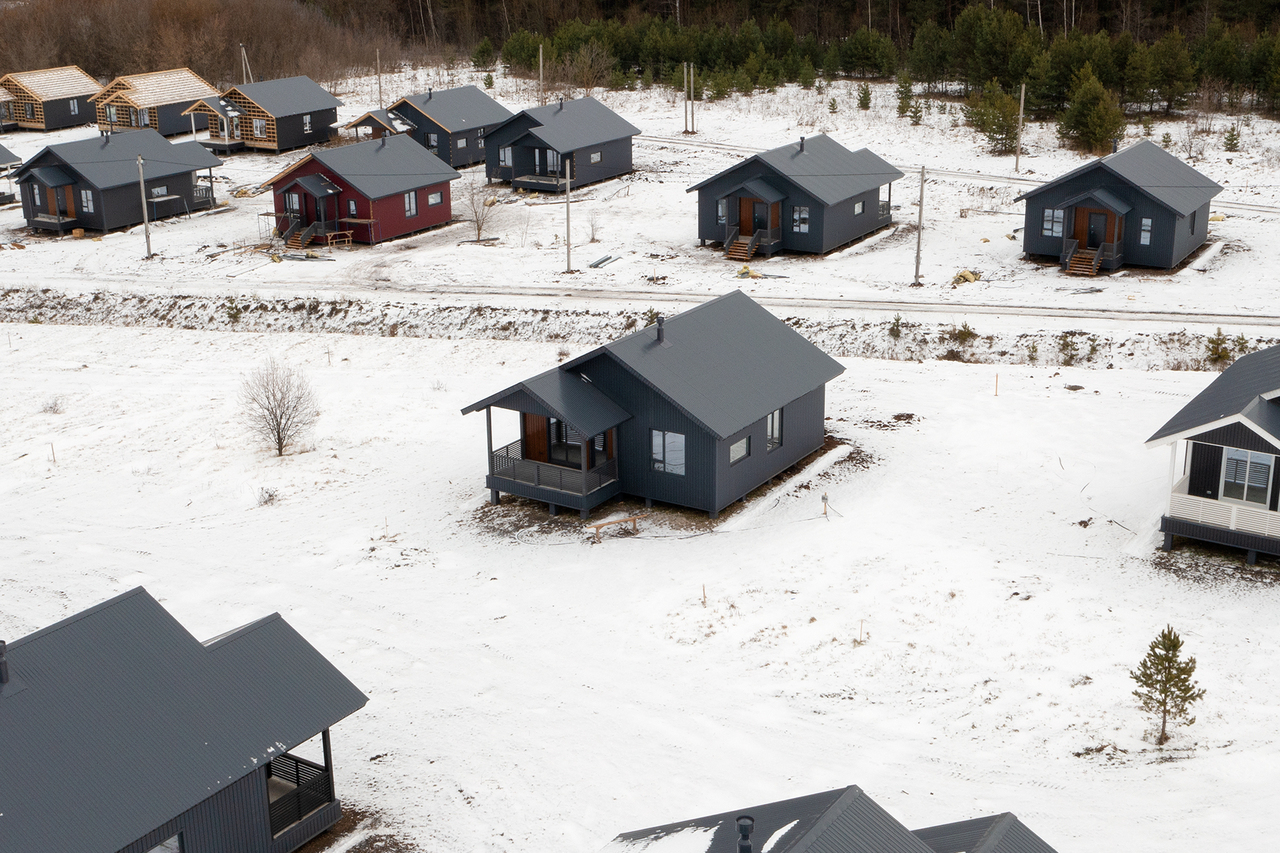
<point x="841" y="225"/>
<point x="961" y="837"/>
<point x="861" y="826"/>
<point x="615" y="159"/>
<point x="1186" y="238"/>
<point x="1206" y="470"/>
<point x="1237" y="435"/>
<point x="802" y="433"/>
<point x="232" y="821"/>
<point x="1018" y="838"/>
<point x="289" y="132"/>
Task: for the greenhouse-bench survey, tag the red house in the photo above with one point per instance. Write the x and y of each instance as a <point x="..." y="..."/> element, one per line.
<point x="367" y="192"/>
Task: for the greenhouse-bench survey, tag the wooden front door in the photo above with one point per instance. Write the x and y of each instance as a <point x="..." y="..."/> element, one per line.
<point x="71" y="201"/>
<point x="533" y="437"/>
<point x="51" y="198"/>
<point x="744" y="215"/>
<point x="1097" y="230"/>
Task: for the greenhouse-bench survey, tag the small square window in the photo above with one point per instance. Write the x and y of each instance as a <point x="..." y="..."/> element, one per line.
<point x="858" y="207"/>
<point x="462" y="142"/>
<point x="740" y="450"/>
<point x="434" y="198"/>
<point x="595" y="156"/>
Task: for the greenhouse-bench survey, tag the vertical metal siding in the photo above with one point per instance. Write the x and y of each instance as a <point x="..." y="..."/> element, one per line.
<point x="57" y="113"/>
<point x="234" y="820"/>
<point x="841" y="225"/>
<point x="1206" y="470"/>
<point x="615" y="159"/>
<point x="803" y="431"/>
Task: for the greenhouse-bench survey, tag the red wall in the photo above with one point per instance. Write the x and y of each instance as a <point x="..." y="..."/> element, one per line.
<point x="388" y="211"/>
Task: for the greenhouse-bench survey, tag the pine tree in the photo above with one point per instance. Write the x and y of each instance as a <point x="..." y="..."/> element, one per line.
<point x="864" y="96"/>
<point x="1093" y="116"/>
<point x="1172" y="72"/>
<point x="1165" y="681"/>
<point x="904" y="93"/>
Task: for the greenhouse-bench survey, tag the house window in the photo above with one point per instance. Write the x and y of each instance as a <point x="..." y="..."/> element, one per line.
<point x="800" y="220"/>
<point x="773" y="431"/>
<point x="462" y="142"/>
<point x="260" y="127"/>
<point x="595" y="156"/>
<point x="433" y="140"/>
<point x="1192" y="221"/>
<point x="480" y="140"/>
<point x="858" y="207"/>
<point x="111" y="113"/>
<point x="75" y="106"/>
<point x="86" y="201"/>
<point x="1144" y="238"/>
<point x="292" y="203"/>
<point x="30" y="110"/>
<point x="146" y="117"/>
<point x="553" y="160"/>
<point x="722" y="211"/>
<point x="351" y="208"/>
<point x="668" y="451"/>
<point x="434" y="198"/>
<point x="504" y="156"/>
<point x="169" y="845"/>
<point x="411" y="204"/>
<point x="306" y="124"/>
<point x="740" y="450"/>
<point x="1246" y="476"/>
<point x="158" y="192"/>
<point x="1052" y="225"/>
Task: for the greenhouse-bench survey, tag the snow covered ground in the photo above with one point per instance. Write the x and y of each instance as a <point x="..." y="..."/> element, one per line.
<point x="525" y="684"/>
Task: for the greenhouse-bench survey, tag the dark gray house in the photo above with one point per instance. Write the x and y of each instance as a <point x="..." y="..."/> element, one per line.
<point x="814" y="195"/>
<point x="452" y="123"/>
<point x="1139" y="206"/>
<point x="1225" y="481"/>
<point x="93" y="183"/>
<point x="48" y="99"/>
<point x="122" y="732"/>
<point x="157" y="99"/>
<point x="536" y="149"/>
<point x="274" y="115"/>
<point x="845" y="820"/>
<point x="380" y="123"/>
<point x="697" y="411"/>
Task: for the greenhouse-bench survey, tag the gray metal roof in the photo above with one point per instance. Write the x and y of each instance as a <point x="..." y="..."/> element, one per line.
<point x="111" y="160"/>
<point x="567" y="396"/>
<point x="1002" y="833"/>
<point x="845" y="820"/>
<point x="1150" y="169"/>
<point x="7" y="157"/>
<point x="825" y="169"/>
<point x="463" y="108"/>
<point x="289" y="96"/>
<point x="567" y="126"/>
<point x="726" y="363"/>
<point x="1104" y="198"/>
<point x="387" y="119"/>
<point x="318" y="186"/>
<point x="123" y="717"/>
<point x="377" y="168"/>
<point x="51" y="176"/>
<point x="1247" y="391"/>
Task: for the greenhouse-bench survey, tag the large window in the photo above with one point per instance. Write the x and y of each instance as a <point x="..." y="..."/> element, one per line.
<point x="86" y="201"/>
<point x="1052" y="225"/>
<point x="111" y="114"/>
<point x="292" y="203"/>
<point x="553" y="160"/>
<point x="1246" y="476"/>
<point x="260" y="128"/>
<point x="411" y="204"/>
<point x="773" y="430"/>
<point x="1145" y="237"/>
<point x="740" y="450"/>
<point x="800" y="220"/>
<point x="504" y="156"/>
<point x="668" y="451"/>
<point x="722" y="211"/>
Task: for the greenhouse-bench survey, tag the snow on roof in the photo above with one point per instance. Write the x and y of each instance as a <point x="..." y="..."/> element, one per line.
<point x="49" y="84"/>
<point x="159" y="87"/>
<point x="459" y="109"/>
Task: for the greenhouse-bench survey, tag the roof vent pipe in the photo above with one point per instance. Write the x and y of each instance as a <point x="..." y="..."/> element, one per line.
<point x="561" y="102"/>
<point x="4" y="666"/>
<point x="428" y="93"/>
<point x="802" y="145"/>
<point x="662" y="335"/>
<point x="745" y="825"/>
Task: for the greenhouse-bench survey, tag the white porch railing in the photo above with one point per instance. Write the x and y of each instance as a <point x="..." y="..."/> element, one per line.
<point x="1226" y="514"/>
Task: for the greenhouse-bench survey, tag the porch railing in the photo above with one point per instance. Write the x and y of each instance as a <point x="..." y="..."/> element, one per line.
<point x="1110" y="252"/>
<point x="295" y="225"/>
<point x="508" y="462"/>
<point x="1217" y="513"/>
<point x="730" y="235"/>
<point x="203" y="195"/>
<point x="755" y="241"/>
<point x="313" y="787"/>
<point x="884" y="209"/>
<point x="1069" y="248"/>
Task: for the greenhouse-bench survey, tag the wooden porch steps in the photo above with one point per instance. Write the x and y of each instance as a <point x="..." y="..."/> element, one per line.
<point x="1082" y="263"/>
<point x="295" y="241"/>
<point x="739" y="250"/>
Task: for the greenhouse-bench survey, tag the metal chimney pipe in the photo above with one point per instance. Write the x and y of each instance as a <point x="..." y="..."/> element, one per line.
<point x="662" y="335"/>
<point x="4" y="665"/>
<point x="802" y="145"/>
<point x="428" y="93"/>
<point x="562" y="102"/>
<point x="745" y="825"/>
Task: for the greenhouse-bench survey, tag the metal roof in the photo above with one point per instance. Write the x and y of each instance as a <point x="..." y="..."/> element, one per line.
<point x="567" y="126"/>
<point x="177" y="85"/>
<point x="1150" y="169"/>
<point x="1002" y="833"/>
<point x="52" y="176"/>
<point x="318" y="186"/>
<point x="288" y="96"/>
<point x="377" y="168"/>
<point x="1104" y="198"/>
<point x="565" y="395"/>
<point x="726" y="363"/>
<point x="7" y="157"/>
<point x="50" y="84"/>
<point x="1248" y="391"/>
<point x="463" y="108"/>
<point x="388" y="119"/>
<point x="845" y="820"/>
<point x="121" y="712"/>
<point x="824" y="168"/>
<point x="111" y="160"/>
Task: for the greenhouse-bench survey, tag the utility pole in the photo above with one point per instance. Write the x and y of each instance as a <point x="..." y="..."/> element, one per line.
<point x="919" y="225"/>
<point x="693" y="73"/>
<point x="542" y="93"/>
<point x="245" y="71"/>
<point x="685" y="106"/>
<point x="377" y="59"/>
<point x="1017" y="154"/>
<point x="142" y="190"/>
<point x="568" y="181"/>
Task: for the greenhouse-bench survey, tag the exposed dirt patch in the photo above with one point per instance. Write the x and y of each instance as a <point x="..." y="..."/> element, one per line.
<point x="358" y="821"/>
<point x="1206" y="563"/>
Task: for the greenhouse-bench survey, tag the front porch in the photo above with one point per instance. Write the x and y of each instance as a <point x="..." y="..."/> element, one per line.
<point x="757" y="206"/>
<point x="566" y="483"/>
<point x="1255" y="529"/>
<point x="540" y="183"/>
<point x="1092" y="225"/>
<point x="300" y="800"/>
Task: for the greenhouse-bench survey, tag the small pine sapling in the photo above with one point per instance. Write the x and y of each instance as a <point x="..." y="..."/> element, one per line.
<point x="916" y="114"/>
<point x="832" y="107"/>
<point x="905" y="97"/>
<point x="864" y="96"/>
<point x="1166" y="687"/>
<point x="488" y="81"/>
<point x="1231" y="140"/>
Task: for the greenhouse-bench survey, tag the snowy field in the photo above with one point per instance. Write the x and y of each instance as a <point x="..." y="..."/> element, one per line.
<point x="527" y="686"/>
<point x="647" y="219"/>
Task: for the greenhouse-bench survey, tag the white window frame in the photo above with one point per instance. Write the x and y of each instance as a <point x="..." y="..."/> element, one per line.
<point x="773" y="431"/>
<point x="800" y="219"/>
<point x="740" y="450"/>
<point x="410" y="204"/>
<point x="859" y="207"/>
<point x="504" y="156"/>
<point x="306" y="123"/>
<point x="1144" y="236"/>
<point x="722" y="211"/>
<point x="1251" y="458"/>
<point x="1052" y="222"/>
<point x="435" y="198"/>
<point x="662" y="449"/>
<point x="596" y="156"/>
<point x="433" y="140"/>
<point x="144" y="116"/>
<point x="86" y="201"/>
<point x="259" y="128"/>
<point x="74" y="103"/>
<point x="462" y="142"/>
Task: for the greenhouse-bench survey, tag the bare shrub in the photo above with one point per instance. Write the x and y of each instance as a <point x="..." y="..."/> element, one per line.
<point x="481" y="201"/>
<point x="588" y="68"/>
<point x="277" y="405"/>
<point x="267" y="496"/>
<point x="53" y="406"/>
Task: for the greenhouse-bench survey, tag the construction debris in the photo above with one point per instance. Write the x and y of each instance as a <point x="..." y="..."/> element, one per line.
<point x="965" y="276"/>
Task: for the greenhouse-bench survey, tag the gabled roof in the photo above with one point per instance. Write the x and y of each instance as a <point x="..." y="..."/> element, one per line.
<point x="566" y="396"/>
<point x="49" y="84"/>
<point x="288" y="96"/>
<point x="845" y="820"/>
<point x="726" y="363"/>
<point x="377" y="168"/>
<point x="567" y="126"/>
<point x="111" y="160"/>
<point x="1247" y="392"/>
<point x="386" y="119"/>
<point x="1002" y="833"/>
<point x="822" y="167"/>
<point x="463" y="108"/>
<point x="7" y="157"/>
<point x="177" y="85"/>
<point x="1151" y="170"/>
<point x="121" y="712"/>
